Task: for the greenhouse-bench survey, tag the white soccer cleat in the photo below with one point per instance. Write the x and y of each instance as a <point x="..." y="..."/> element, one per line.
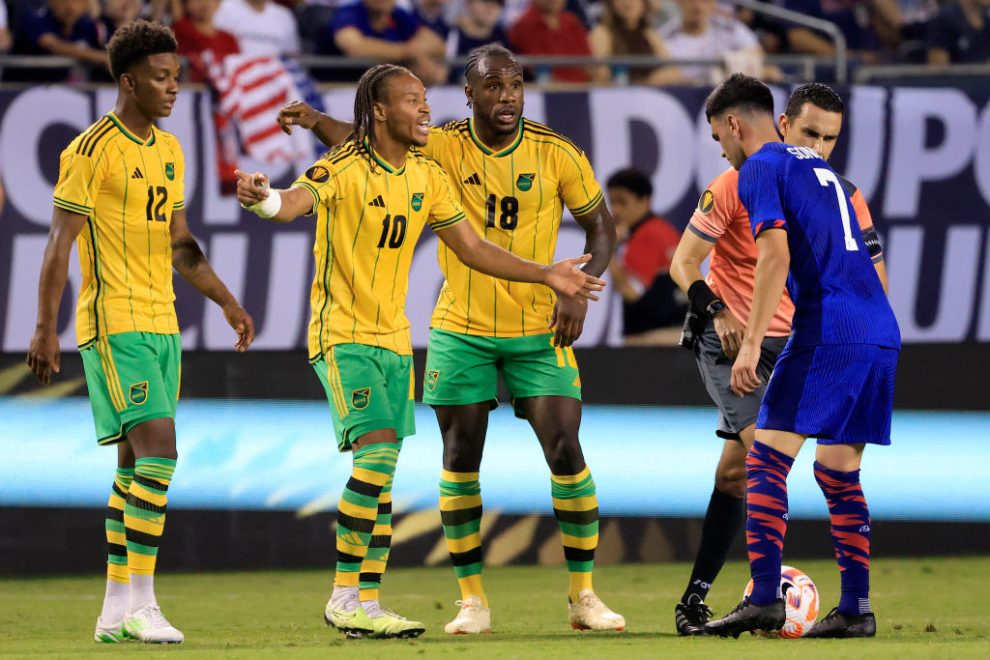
<point x="149" y="625"/>
<point x="109" y="633"/>
<point x="590" y="613"/>
<point x="473" y="619"/>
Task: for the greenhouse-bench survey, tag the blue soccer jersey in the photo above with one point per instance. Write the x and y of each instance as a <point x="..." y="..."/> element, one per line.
<point x="837" y="295"/>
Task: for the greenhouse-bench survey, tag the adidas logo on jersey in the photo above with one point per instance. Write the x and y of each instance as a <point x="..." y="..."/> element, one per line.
<point x="377" y="201"/>
<point x="474" y="180"/>
<point x="137" y="173"/>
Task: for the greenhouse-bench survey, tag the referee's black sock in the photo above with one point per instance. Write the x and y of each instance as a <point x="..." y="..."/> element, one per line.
<point x="725" y="516"/>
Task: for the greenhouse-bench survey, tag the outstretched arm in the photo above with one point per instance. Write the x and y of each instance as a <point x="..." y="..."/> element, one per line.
<point x="44" y="355"/>
<point x="255" y="195"/>
<point x="189" y="261"/>
<point x="771" y="276"/>
<point x="327" y="130"/>
<point x="569" y="313"/>
<point x="564" y="277"/>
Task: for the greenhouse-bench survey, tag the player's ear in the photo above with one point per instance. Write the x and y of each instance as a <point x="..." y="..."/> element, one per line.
<point x="782" y="124"/>
<point x="469" y="94"/>
<point x="127" y="82"/>
<point x="379" y="110"/>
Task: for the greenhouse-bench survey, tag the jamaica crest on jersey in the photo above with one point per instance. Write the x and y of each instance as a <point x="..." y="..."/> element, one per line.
<point x="417" y="201"/>
<point x="525" y="181"/>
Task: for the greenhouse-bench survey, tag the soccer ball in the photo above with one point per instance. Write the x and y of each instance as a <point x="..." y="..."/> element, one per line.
<point x="800" y="601"/>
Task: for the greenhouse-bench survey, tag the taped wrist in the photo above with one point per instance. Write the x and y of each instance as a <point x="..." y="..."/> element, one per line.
<point x="268" y="207"/>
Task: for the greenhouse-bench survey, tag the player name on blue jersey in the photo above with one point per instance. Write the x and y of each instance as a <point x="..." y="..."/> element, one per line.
<point x="837" y="295"/>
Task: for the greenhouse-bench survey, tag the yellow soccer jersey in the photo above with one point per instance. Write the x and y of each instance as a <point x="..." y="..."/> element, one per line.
<point x="369" y="219"/>
<point x="127" y="188"/>
<point x="515" y="198"/>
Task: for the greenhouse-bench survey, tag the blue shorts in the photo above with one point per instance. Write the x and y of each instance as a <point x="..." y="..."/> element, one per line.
<point x="840" y="394"/>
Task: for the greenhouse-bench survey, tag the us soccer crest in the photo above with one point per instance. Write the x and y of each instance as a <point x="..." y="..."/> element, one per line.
<point x="432" y="376"/>
<point x="525" y="181"/>
<point x="417" y="201"/>
<point x="139" y="393"/>
<point x="361" y="398"/>
<point x="170" y="171"/>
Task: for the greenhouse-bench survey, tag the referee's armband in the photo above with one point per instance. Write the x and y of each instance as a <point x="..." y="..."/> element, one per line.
<point x="872" y="240"/>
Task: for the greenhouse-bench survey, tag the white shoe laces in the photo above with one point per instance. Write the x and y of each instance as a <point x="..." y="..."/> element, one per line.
<point x="471" y="604"/>
<point x="153" y="613"/>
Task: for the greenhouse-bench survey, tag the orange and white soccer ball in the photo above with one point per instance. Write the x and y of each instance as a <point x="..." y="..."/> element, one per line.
<point x="800" y="601"/>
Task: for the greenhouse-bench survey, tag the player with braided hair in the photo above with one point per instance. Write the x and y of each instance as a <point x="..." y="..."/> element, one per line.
<point x="373" y="194"/>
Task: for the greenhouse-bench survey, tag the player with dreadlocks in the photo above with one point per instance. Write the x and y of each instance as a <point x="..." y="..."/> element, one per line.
<point x="373" y="195"/>
<point x="514" y="177"/>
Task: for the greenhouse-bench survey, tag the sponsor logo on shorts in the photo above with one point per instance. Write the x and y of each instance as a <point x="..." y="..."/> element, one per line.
<point x="318" y="174"/>
<point x="525" y="181"/>
<point x="139" y="393"/>
<point x="360" y="398"/>
<point x="432" y="376"/>
<point x="707" y="202"/>
<point x="417" y="201"/>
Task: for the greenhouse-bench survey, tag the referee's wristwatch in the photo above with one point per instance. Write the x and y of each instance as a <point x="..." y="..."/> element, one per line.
<point x="715" y="308"/>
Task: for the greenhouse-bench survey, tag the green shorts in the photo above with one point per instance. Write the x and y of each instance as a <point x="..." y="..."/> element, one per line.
<point x="369" y="389"/>
<point x="463" y="369"/>
<point x="132" y="377"/>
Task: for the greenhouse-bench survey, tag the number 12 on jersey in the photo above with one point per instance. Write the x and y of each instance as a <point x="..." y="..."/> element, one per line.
<point x="827" y="178"/>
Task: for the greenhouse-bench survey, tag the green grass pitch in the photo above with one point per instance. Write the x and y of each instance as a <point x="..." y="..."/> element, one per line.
<point x="926" y="608"/>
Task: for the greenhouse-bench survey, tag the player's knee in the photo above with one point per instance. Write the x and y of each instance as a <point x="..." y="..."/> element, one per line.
<point x="461" y="456"/>
<point x="731" y="480"/>
<point x="563" y="454"/>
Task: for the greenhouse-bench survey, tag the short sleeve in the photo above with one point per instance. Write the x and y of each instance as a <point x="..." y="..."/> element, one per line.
<point x="180" y="177"/>
<point x="742" y="37"/>
<point x="760" y="194"/>
<point x="578" y="187"/>
<point x="863" y="215"/>
<point x="346" y="17"/>
<point x="79" y="180"/>
<point x="318" y="181"/>
<point x="716" y="208"/>
<point x="939" y="34"/>
<point x="445" y="211"/>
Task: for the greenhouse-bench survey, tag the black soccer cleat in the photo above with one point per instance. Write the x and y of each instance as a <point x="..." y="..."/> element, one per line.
<point x="691" y="617"/>
<point x="837" y="625"/>
<point x="748" y="617"/>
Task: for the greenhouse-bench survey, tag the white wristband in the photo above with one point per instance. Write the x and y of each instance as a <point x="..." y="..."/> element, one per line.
<point x="268" y="207"/>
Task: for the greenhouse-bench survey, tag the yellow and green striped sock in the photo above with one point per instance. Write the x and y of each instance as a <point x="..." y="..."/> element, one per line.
<point x="576" y="507"/>
<point x="144" y="512"/>
<point x="375" y="562"/>
<point x="460" y="513"/>
<point x="357" y="511"/>
<point x="115" y="531"/>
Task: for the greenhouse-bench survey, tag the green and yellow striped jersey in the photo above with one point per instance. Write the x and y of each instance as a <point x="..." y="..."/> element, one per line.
<point x="515" y="198"/>
<point x="369" y="217"/>
<point x="127" y="188"/>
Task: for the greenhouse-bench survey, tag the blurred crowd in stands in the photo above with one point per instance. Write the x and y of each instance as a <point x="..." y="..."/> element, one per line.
<point x="427" y="34"/>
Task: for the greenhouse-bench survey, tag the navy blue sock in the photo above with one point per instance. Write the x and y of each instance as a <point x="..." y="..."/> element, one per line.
<point x="850" y="536"/>
<point x="766" y="518"/>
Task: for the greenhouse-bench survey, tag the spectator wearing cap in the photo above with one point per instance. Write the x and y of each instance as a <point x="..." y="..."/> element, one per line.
<point x="380" y="30"/>
<point x="624" y="29"/>
<point x="546" y="28"/>
<point x="960" y="33"/>
<point x="652" y="305"/>
<point x="65" y="28"/>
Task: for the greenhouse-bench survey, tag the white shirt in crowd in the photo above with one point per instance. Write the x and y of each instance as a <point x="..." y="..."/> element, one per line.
<point x="271" y="31"/>
<point x="724" y="37"/>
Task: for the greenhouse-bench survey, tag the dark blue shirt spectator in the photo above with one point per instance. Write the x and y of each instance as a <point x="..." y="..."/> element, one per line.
<point x="401" y="28"/>
<point x="960" y="33"/>
<point x="431" y="14"/>
<point x="850" y="16"/>
<point x="62" y="28"/>
<point x="81" y="32"/>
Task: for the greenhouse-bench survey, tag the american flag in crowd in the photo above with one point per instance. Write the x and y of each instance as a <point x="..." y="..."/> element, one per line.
<point x="249" y="92"/>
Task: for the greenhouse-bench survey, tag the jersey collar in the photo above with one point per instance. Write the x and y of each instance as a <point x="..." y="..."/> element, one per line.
<point x="488" y="152"/>
<point x="123" y="129"/>
<point x="388" y="168"/>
